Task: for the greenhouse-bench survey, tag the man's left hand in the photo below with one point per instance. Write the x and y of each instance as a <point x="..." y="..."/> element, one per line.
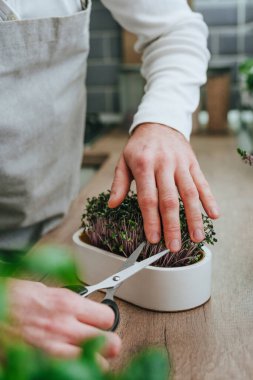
<point x="162" y="162"/>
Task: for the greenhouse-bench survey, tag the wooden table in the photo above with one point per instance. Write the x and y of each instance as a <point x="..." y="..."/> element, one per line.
<point x="215" y="341"/>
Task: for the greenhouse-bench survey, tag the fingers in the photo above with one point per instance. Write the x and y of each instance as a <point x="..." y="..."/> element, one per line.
<point x="85" y="310"/>
<point x="190" y="197"/>
<point x="121" y="183"/>
<point x="61" y="350"/>
<point x="77" y="319"/>
<point x="169" y="209"/>
<point x="62" y="337"/>
<point x="148" y="199"/>
<point x="112" y="344"/>
<point x="65" y="350"/>
<point x="74" y="333"/>
<point x="89" y="318"/>
<point x="96" y="314"/>
<point x="207" y="199"/>
<point x="55" y="346"/>
<point x="102" y="362"/>
<point x="58" y="320"/>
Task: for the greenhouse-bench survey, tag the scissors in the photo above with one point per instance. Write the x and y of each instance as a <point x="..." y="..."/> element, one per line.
<point x="112" y="283"/>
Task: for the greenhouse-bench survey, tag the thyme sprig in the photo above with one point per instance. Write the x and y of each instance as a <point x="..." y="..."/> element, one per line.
<point x="246" y="157"/>
<point x="121" y="230"/>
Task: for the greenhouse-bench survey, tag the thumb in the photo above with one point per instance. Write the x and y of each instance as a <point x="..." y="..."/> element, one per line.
<point x="121" y="183"/>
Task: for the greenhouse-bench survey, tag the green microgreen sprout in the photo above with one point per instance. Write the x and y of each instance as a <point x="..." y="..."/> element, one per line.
<point x="246" y="157"/>
<point x="120" y="231"/>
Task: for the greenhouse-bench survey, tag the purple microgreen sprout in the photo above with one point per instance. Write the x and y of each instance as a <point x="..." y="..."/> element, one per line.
<point x="120" y="231"/>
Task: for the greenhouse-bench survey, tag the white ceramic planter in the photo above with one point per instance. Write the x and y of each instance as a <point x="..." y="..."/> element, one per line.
<point x="161" y="289"/>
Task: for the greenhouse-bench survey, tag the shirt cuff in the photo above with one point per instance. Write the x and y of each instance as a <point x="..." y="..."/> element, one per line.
<point x="178" y="120"/>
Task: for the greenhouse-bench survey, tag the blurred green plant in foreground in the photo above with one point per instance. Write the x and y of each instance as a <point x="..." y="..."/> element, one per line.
<point x="19" y="361"/>
<point x="246" y="69"/>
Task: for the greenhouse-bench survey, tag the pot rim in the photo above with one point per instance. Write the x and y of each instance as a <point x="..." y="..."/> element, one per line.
<point x="207" y="256"/>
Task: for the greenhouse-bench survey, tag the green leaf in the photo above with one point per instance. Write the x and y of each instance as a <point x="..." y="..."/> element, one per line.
<point x="1" y="371"/>
<point x="246" y="66"/>
<point x="249" y="81"/>
<point x="7" y="269"/>
<point x="55" y="261"/>
<point x="83" y="368"/>
<point x="91" y="346"/>
<point x="149" y="365"/>
<point x="20" y="362"/>
<point x="74" y="370"/>
<point x="3" y="299"/>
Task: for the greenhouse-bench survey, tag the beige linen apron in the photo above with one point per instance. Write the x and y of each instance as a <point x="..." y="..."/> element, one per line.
<point x="42" y="108"/>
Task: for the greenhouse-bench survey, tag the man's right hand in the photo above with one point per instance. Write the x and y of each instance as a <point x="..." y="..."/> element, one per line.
<point x="57" y="320"/>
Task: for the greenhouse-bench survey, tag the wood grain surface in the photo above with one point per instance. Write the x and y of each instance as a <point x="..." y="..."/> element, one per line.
<point x="215" y="341"/>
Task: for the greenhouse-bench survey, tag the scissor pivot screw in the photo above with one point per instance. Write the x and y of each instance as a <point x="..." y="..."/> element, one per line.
<point x="116" y="278"/>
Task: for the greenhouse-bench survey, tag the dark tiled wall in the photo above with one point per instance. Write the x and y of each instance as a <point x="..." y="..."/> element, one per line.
<point x="230" y="35"/>
<point x="231" y="40"/>
<point x="104" y="61"/>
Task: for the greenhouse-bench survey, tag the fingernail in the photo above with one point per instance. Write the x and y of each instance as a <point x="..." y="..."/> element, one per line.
<point x="198" y="234"/>
<point x="113" y="346"/>
<point x="112" y="195"/>
<point x="155" y="237"/>
<point x="102" y="362"/>
<point x="214" y="211"/>
<point x="175" y="245"/>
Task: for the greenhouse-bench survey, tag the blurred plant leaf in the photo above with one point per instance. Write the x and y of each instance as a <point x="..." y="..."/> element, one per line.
<point x="7" y="269"/>
<point x="149" y="365"/>
<point x="246" y="69"/>
<point x="83" y="368"/>
<point x="249" y="81"/>
<point x="54" y="261"/>
<point x="91" y="347"/>
<point x="20" y="362"/>
<point x="74" y="370"/>
<point x="246" y="66"/>
<point x="3" y="299"/>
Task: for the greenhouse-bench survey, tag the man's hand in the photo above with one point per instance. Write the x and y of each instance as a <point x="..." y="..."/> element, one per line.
<point x="163" y="164"/>
<point x="58" y="320"/>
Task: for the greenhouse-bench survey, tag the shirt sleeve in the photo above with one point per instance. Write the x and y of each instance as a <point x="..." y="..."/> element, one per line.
<point x="173" y="42"/>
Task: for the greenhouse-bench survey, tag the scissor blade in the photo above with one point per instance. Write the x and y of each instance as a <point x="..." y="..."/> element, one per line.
<point x="123" y="275"/>
<point x="128" y="263"/>
<point x="133" y="257"/>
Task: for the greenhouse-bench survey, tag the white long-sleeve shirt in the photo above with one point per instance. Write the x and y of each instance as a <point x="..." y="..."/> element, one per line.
<point x="173" y="42"/>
